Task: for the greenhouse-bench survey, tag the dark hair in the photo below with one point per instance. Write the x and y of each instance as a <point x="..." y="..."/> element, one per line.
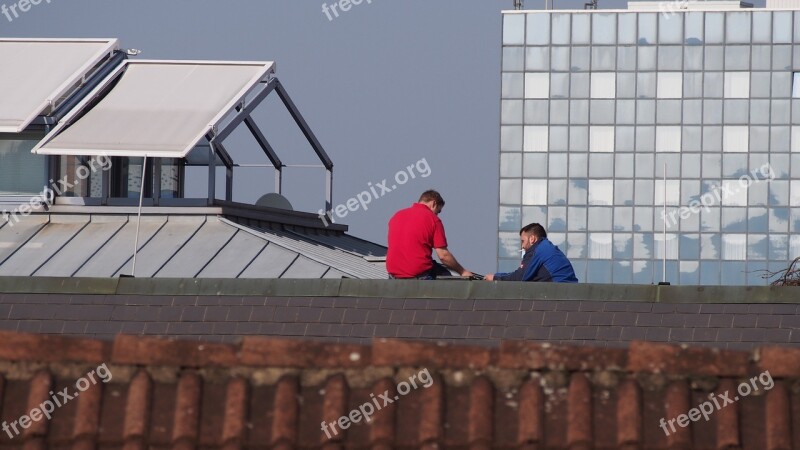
<point x="535" y="229"/>
<point x="431" y="195"/>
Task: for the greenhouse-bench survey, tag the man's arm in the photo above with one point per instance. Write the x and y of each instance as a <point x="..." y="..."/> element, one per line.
<point x="525" y="272"/>
<point x="450" y="262"/>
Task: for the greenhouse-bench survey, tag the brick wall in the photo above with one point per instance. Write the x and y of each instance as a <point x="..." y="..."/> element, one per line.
<point x="358" y="320"/>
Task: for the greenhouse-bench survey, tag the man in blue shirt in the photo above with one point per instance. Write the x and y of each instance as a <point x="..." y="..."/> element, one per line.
<point x="543" y="261"/>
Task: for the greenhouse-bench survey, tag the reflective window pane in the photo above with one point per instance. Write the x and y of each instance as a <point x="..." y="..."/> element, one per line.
<point x="535" y="139"/>
<point x="647" y="29"/>
<point x="624" y="140"/>
<point x="604" y="28"/>
<point x="782" y="57"/>
<point x="737" y="57"/>
<point x="603" y="85"/>
<point x="626" y="111"/>
<point x="580" y="28"/>
<point x="626" y="85"/>
<point x="511" y="165"/>
<point x="647" y="58"/>
<point x="513" y="59"/>
<point x="513" y="85"/>
<point x="537" y="85"/>
<point x="626" y="58"/>
<point x="602" y="112"/>
<point x="579" y="85"/>
<point x="713" y="57"/>
<point x="737" y="27"/>
<point x="511" y="112"/>
<point x="714" y="31"/>
<point x="670" y="85"/>
<point x="604" y="58"/>
<point x="646" y="85"/>
<point x="737" y="111"/>
<point x="737" y="85"/>
<point x="510" y="139"/>
<point x="579" y="112"/>
<point x="693" y="58"/>
<point x="760" y="83"/>
<point x="559" y="111"/>
<point x="578" y="139"/>
<point x="537" y="58"/>
<point x="668" y="112"/>
<point x="762" y="27"/>
<point x="762" y="57"/>
<point x="559" y="136"/>
<point x="513" y="29"/>
<point x="534" y="165"/>
<point x="693" y="84"/>
<point x="670" y="57"/>
<point x="692" y="140"/>
<point x="559" y="85"/>
<point x="559" y="59"/>
<point x="627" y="28"/>
<point x="694" y="28"/>
<point x="645" y="111"/>
<point x="712" y="84"/>
<point x="782" y="31"/>
<point x="645" y="139"/>
<point x="670" y="31"/>
<point x="537" y="112"/>
<point x="538" y="32"/>
<point x="560" y="28"/>
<point x="580" y="59"/>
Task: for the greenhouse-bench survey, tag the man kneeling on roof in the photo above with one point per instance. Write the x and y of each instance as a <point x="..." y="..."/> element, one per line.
<point x="543" y="261"/>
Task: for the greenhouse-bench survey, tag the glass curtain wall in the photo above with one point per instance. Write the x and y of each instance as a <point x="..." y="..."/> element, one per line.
<point x="597" y="108"/>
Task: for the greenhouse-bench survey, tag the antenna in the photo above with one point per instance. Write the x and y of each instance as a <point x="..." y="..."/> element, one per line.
<point x="664" y="281"/>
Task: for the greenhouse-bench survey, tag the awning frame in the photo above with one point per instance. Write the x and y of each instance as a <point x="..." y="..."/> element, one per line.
<point x="62" y="92"/>
<point x="237" y="111"/>
<point x="100" y="91"/>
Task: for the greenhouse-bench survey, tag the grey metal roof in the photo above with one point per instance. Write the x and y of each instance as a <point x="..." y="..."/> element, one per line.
<point x="181" y="245"/>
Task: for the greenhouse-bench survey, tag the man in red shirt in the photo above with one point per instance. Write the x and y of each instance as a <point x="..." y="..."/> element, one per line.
<point x="413" y="233"/>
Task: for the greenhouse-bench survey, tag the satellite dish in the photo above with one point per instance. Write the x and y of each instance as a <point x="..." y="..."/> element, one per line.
<point x="276" y="201"/>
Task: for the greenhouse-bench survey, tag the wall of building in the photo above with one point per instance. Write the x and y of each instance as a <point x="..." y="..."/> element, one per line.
<point x="356" y="311"/>
<point x="597" y="106"/>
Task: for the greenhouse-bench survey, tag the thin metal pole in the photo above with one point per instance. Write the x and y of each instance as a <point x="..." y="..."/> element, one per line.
<point x="664" y="265"/>
<point x="139" y="216"/>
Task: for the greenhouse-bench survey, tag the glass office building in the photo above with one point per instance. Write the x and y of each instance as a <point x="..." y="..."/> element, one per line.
<point x="599" y="108"/>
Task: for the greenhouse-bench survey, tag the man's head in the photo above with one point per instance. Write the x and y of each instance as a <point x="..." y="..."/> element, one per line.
<point x="432" y="200"/>
<point x="531" y="234"/>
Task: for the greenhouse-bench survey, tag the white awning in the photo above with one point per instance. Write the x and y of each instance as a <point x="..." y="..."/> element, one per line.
<point x="157" y="108"/>
<point x="35" y="75"/>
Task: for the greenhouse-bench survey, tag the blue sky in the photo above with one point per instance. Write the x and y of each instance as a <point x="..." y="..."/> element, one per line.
<point x="384" y="85"/>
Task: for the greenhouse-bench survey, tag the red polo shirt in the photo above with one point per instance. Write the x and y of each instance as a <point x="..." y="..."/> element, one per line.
<point x="413" y="233"/>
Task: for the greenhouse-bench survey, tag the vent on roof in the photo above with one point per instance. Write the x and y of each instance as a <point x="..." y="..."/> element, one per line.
<point x="273" y="200"/>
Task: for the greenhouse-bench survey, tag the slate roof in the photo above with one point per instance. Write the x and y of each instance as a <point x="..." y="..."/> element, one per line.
<point x="183" y="243"/>
<point x="263" y="393"/>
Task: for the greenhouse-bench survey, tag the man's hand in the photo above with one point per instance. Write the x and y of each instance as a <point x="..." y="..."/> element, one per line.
<point x="467" y="273"/>
<point x="489" y="277"/>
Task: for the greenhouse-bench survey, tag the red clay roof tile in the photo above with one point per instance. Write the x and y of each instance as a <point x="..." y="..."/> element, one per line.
<point x="274" y="394"/>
